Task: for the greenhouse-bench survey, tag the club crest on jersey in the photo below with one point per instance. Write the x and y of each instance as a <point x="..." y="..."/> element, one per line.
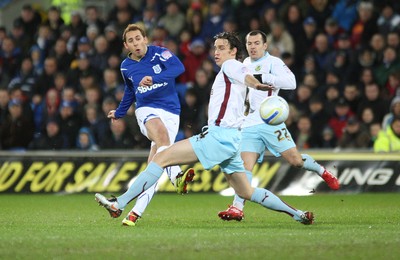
<point x="258" y="68"/>
<point x="157" y="69"/>
<point x="166" y="55"/>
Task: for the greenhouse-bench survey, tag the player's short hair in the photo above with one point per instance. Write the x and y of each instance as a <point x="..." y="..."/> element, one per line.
<point x="234" y="42"/>
<point x="133" y="27"/>
<point x="255" y="32"/>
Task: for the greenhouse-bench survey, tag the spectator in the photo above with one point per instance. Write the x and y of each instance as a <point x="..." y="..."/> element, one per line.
<point x="114" y="41"/>
<point x="332" y="30"/>
<point x="173" y="20"/>
<point x="29" y="19"/>
<point x="373" y="100"/>
<point x="320" y="10"/>
<point x="21" y="40"/>
<point x="339" y="65"/>
<point x="310" y="30"/>
<point x="213" y="23"/>
<point x="45" y="81"/>
<point x="63" y="57"/>
<point x="77" y="25"/>
<point x="25" y="79"/>
<point x="374" y="130"/>
<point x="51" y="139"/>
<point x="4" y="99"/>
<point x="124" y="18"/>
<point x="18" y="94"/>
<point x="293" y="21"/>
<point x="37" y="57"/>
<point x="365" y="26"/>
<point x="49" y="109"/>
<point x="268" y="16"/>
<point x="119" y="138"/>
<point x="54" y="21"/>
<point x="60" y="82"/>
<point x="149" y="19"/>
<point x="110" y="82"/>
<point x="339" y="120"/>
<point x="112" y="15"/>
<point x="70" y="122"/>
<point x="328" y="140"/>
<point x="355" y="135"/>
<point x="93" y="17"/>
<point x="390" y="64"/>
<point x="160" y="36"/>
<point x="92" y="32"/>
<point x="394" y="112"/>
<point x="293" y="117"/>
<point x="84" y="69"/>
<point x="100" y="56"/>
<point x="318" y="116"/>
<point x="197" y="54"/>
<point x="85" y="140"/>
<point x="352" y="96"/>
<point x="388" y="20"/>
<point x="367" y="117"/>
<point x="3" y="34"/>
<point x="10" y="58"/>
<point x="344" y="45"/>
<point x="195" y="24"/>
<point x="244" y="11"/>
<point x="345" y="12"/>
<point x="393" y="40"/>
<point x="331" y="96"/>
<point x="321" y="51"/>
<point x="303" y="137"/>
<point x="190" y="114"/>
<point x="303" y="95"/>
<point x="279" y="40"/>
<point x="366" y="77"/>
<point x="202" y="87"/>
<point x="378" y="45"/>
<point x="389" y="140"/>
<point x="95" y="121"/>
<point x="17" y="129"/>
<point x="84" y="47"/>
<point x="93" y="95"/>
<point x="392" y="86"/>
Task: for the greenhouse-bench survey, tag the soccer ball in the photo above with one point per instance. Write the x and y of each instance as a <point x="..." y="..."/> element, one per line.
<point x="274" y="110"/>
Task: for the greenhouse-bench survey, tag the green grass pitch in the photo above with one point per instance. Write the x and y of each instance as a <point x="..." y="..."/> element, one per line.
<point x="34" y="226"/>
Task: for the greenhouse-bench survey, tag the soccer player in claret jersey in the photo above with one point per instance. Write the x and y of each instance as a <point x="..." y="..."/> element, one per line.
<point x="149" y="73"/>
<point x="257" y="135"/>
<point x="219" y="144"/>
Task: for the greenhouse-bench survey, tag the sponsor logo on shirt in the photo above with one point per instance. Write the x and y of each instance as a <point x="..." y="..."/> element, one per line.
<point x="144" y="89"/>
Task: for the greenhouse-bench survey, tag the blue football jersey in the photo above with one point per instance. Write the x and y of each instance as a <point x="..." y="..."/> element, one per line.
<point x="164" y="67"/>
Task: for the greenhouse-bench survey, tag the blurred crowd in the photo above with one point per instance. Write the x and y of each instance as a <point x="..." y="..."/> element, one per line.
<point x="59" y="69"/>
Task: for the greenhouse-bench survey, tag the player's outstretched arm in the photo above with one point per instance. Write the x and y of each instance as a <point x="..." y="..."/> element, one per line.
<point x="252" y="82"/>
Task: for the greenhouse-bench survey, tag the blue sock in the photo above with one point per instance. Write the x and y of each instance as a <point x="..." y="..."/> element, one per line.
<point x="271" y="201"/>
<point x="144" y="181"/>
<point x="238" y="202"/>
<point x="311" y="165"/>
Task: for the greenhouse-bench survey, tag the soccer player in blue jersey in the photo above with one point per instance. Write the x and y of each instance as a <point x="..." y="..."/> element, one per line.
<point x="258" y="136"/>
<point x="220" y="143"/>
<point x="149" y="73"/>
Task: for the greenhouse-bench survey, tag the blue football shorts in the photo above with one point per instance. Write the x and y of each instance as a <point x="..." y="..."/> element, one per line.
<point x="219" y="146"/>
<point x="275" y="138"/>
